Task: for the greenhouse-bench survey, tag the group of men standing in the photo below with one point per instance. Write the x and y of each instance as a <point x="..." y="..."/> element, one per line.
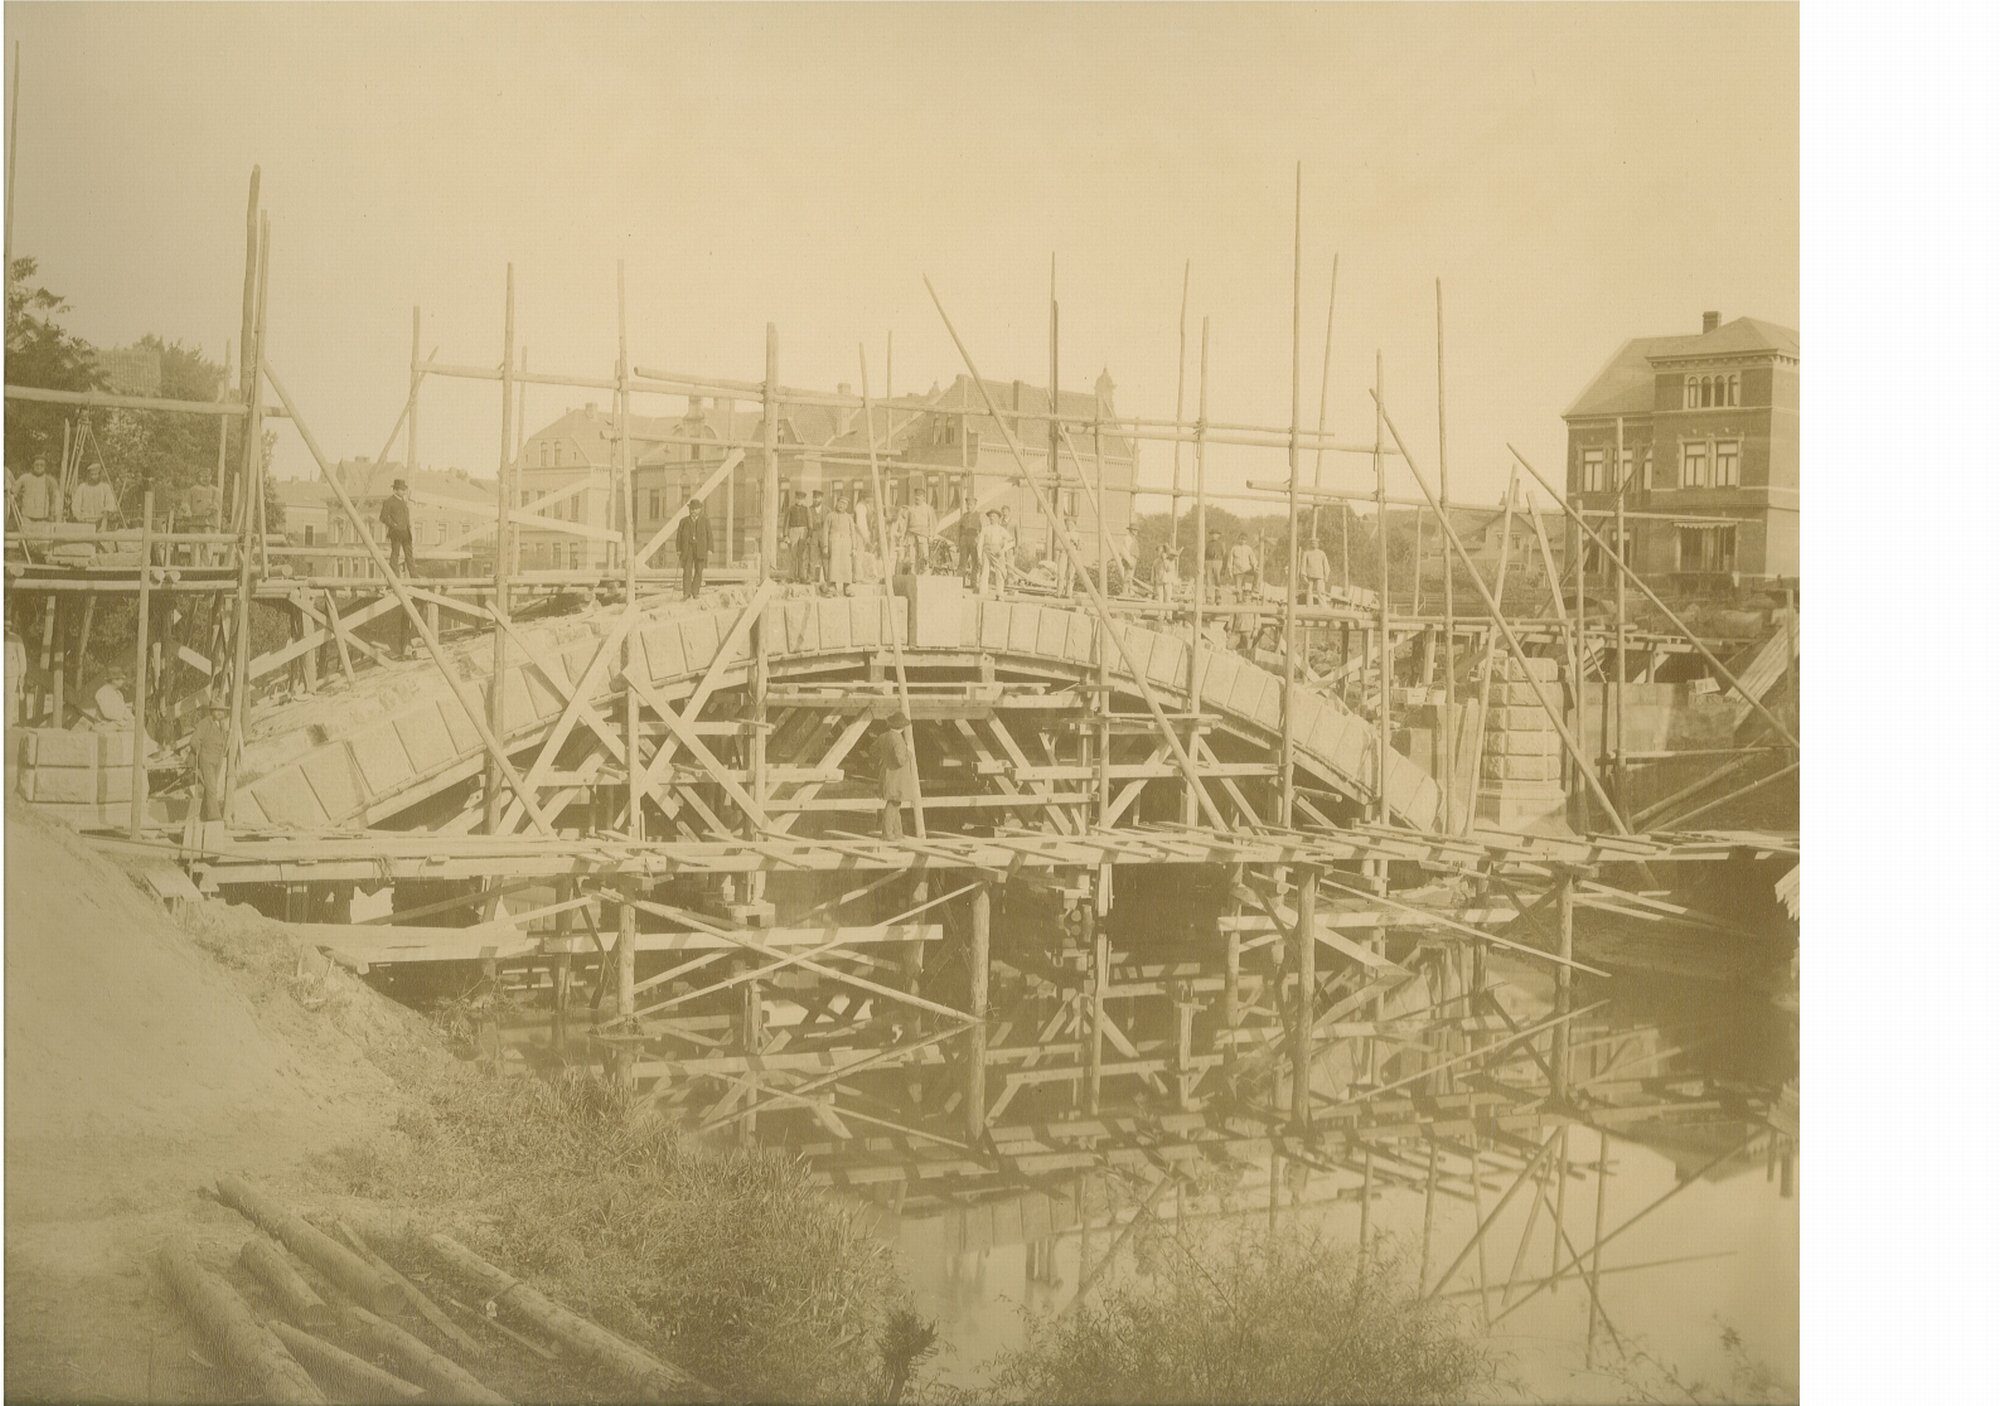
<point x="35" y="499"/>
<point x="834" y="543"/>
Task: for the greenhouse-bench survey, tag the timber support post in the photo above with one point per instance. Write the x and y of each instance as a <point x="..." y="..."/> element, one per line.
<point x="980" y="966"/>
<point x="1304" y="945"/>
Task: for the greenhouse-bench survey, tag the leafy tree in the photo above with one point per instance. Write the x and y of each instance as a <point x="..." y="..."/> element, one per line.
<point x="171" y="453"/>
<point x="40" y="352"/>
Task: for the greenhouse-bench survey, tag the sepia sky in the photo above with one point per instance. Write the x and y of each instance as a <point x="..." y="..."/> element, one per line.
<point x="1575" y="174"/>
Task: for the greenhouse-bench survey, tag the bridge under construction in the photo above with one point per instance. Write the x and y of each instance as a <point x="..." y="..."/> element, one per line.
<point x="1162" y="903"/>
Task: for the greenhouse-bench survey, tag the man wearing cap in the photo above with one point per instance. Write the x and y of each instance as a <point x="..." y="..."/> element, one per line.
<point x="396" y="519"/>
<point x="94" y="501"/>
<point x="691" y="543"/>
<point x="209" y="746"/>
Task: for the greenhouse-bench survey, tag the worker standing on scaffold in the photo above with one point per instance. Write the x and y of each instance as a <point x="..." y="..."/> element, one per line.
<point x="396" y="521"/>
<point x="209" y="746"/>
<point x="691" y="544"/>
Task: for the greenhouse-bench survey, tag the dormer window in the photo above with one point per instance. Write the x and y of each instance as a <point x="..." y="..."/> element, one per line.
<point x="1712" y="392"/>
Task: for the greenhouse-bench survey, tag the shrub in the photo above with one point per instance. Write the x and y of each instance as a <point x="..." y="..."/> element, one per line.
<point x="724" y="1260"/>
<point x="1244" y="1318"/>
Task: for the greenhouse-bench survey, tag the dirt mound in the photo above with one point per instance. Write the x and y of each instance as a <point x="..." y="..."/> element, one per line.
<point x="145" y="1057"/>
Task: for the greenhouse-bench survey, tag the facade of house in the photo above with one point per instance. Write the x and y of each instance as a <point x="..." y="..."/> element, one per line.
<point x="1709" y="428"/>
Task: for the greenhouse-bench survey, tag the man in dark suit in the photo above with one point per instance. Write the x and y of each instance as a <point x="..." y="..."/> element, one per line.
<point x="691" y="544"/>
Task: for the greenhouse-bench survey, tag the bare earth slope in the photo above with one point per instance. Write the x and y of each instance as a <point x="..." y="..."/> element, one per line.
<point x="144" y="1058"/>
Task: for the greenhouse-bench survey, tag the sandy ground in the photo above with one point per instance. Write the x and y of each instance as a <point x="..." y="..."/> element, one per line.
<point x="145" y="1058"/>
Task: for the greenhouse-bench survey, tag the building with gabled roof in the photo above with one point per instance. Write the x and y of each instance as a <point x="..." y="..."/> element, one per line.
<point x="1708" y="425"/>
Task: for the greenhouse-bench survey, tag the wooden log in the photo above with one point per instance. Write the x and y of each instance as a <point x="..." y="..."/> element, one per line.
<point x="342" y="1370"/>
<point x="638" y="1368"/>
<point x="429" y="1311"/>
<point x="300" y="1302"/>
<point x="249" y="1346"/>
<point x="444" y="1378"/>
<point x="353" y="1275"/>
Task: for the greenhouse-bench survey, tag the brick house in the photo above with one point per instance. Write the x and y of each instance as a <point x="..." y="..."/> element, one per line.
<point x="1710" y="428"/>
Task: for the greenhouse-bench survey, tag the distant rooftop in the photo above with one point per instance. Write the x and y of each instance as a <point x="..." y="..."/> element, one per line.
<point x="1625" y="385"/>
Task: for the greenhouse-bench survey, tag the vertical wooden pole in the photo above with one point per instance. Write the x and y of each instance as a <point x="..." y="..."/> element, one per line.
<point x="1618" y="681"/>
<point x="1478" y="1219"/>
<point x="1388" y="659"/>
<point x="496" y="693"/>
<point x="1325" y="374"/>
<point x="889" y="587"/>
<point x="1100" y="977"/>
<point x="1190" y="811"/>
<point x="1430" y="1205"/>
<point x="1792" y="653"/>
<point x="1305" y="962"/>
<point x="1180" y="414"/>
<point x="1579" y="800"/>
<point x="1417" y="574"/>
<point x="1232" y="984"/>
<point x="416" y="386"/>
<point x="1104" y="642"/>
<point x="635" y="817"/>
<point x="141" y="662"/>
<point x="247" y="342"/>
<point x="13" y="145"/>
<point x="223" y="429"/>
<point x="250" y="472"/>
<point x="976" y="1002"/>
<point x="767" y="568"/>
<point x="1597" y="1242"/>
<point x="1055" y="408"/>
<point x="753" y="1046"/>
<point x="1471" y="811"/>
<point x="1286" y="742"/>
<point x="1565" y="975"/>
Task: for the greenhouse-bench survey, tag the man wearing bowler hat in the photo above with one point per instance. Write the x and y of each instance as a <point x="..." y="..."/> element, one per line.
<point x="396" y="518"/>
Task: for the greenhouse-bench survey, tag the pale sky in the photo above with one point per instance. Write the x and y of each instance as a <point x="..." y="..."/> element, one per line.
<point x="1576" y="175"/>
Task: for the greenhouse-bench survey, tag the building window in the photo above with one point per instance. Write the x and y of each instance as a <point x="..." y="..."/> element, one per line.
<point x="1694" y="464"/>
<point x="1735" y="389"/>
<point x="311" y="535"/>
<point x="1646" y="469"/>
<point x="1708" y="549"/>
<point x="1593" y="471"/>
<point x="1728" y="460"/>
<point x="1625" y="470"/>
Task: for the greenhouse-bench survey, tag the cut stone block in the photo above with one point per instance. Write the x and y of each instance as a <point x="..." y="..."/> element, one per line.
<point x="995" y="620"/>
<point x="666" y="657"/>
<point x="287" y="800"/>
<point x="335" y="782"/>
<point x="1024" y="629"/>
<point x="835" y="624"/>
<point x="425" y="737"/>
<point x="380" y="755"/>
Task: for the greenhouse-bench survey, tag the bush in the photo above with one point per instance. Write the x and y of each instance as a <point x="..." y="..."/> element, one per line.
<point x="723" y="1260"/>
<point x="1244" y="1318"/>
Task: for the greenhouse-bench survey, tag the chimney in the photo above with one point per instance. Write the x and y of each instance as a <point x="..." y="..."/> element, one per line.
<point x="1710" y="321"/>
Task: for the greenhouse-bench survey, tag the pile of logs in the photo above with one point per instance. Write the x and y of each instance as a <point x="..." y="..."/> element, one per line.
<point x="344" y="1324"/>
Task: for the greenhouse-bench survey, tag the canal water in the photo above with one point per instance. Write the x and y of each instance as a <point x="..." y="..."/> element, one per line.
<point x="1699" y="1279"/>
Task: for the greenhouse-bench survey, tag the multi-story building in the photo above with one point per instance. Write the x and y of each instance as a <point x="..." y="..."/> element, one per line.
<point x="1709" y="429"/>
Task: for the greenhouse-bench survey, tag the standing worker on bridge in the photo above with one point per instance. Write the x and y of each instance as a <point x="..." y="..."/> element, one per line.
<point x="899" y="775"/>
<point x="209" y="746"/>
<point x="396" y="521"/>
<point x="94" y="502"/>
<point x="691" y="544"/>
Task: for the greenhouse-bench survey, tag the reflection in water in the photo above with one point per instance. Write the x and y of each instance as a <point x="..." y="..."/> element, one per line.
<point x="1667" y="1162"/>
